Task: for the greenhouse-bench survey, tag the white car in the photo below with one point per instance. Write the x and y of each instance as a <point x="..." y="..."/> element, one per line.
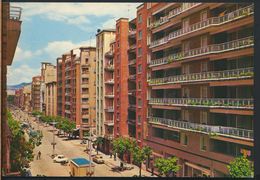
<point x="60" y="159"/>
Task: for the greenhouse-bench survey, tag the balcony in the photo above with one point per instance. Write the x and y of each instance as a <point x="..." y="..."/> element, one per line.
<point x="132" y="47"/>
<point x="132" y="106"/>
<point x="234" y="74"/>
<point x="109" y="95"/>
<point x="210" y="49"/>
<point x="214" y="21"/>
<point x="172" y="14"/>
<point x="85" y="65"/>
<point x="67" y="103"/>
<point x="109" y="54"/>
<point x="205" y="102"/>
<point x="132" y="92"/>
<point x="109" y="109"/>
<point x="131" y="121"/>
<point x="110" y="81"/>
<point x="132" y="62"/>
<point x="109" y="122"/>
<point x="132" y="77"/>
<point x="67" y="111"/>
<point x="132" y="33"/>
<point x="109" y="67"/>
<point x="13" y="32"/>
<point x="208" y="129"/>
<point x="109" y="136"/>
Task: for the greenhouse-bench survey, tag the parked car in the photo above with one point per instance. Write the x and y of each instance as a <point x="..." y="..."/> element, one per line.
<point x="60" y="159"/>
<point x="98" y="159"/>
<point x="83" y="141"/>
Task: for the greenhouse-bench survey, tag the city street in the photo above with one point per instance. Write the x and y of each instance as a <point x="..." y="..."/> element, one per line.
<point x="70" y="149"/>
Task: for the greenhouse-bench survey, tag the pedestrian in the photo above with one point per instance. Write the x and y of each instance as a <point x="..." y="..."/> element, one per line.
<point x="39" y="154"/>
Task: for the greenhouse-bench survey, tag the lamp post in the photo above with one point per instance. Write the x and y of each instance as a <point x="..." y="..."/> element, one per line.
<point x="53" y="140"/>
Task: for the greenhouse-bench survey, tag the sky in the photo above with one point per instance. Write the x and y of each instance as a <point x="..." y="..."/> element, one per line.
<point x="50" y="29"/>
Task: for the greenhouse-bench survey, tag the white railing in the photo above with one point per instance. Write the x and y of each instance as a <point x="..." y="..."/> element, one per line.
<point x="110" y="109"/>
<point x="132" y="77"/>
<point x="133" y="61"/>
<point x="210" y="49"/>
<point x="132" y="32"/>
<point x="173" y="13"/>
<point x="15" y="13"/>
<point x="229" y="131"/>
<point x="205" y="102"/>
<point x="110" y="81"/>
<point x="109" y="67"/>
<point x="240" y="13"/>
<point x="205" y="76"/>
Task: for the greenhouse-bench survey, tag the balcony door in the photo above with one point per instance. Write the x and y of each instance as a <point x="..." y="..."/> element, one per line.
<point x="203" y="117"/>
<point x="203" y="91"/>
<point x="185" y="24"/>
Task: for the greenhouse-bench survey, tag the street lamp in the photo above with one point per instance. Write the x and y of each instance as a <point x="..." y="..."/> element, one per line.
<point x="53" y="140"/>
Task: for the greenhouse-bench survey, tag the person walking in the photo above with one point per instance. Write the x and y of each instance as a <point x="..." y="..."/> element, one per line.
<point x="39" y="154"/>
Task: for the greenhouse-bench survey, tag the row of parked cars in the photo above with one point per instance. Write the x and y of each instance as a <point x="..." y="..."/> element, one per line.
<point x="63" y="160"/>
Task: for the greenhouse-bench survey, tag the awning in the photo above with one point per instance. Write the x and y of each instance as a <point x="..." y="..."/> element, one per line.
<point x="204" y="170"/>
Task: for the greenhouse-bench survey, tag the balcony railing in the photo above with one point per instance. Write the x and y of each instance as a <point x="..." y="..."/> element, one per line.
<point x="205" y="76"/>
<point x="132" y="62"/>
<point x="173" y="13"/>
<point x="132" y="106"/>
<point x="132" y="32"/>
<point x="109" y="54"/>
<point x="209" y="129"/>
<point x="132" y="47"/>
<point x="110" y="81"/>
<point x="214" y="21"/>
<point x="109" y="67"/>
<point x="210" y="49"/>
<point x="109" y="95"/>
<point x="15" y="13"/>
<point x="109" y="122"/>
<point x="205" y="102"/>
<point x="132" y="77"/>
<point x="109" y="109"/>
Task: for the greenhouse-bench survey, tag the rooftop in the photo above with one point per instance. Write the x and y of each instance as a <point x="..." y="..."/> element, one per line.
<point x="80" y="161"/>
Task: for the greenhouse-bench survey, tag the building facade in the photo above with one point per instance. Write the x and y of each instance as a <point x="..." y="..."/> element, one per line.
<point x="76" y="89"/>
<point x="10" y="33"/>
<point x="36" y="86"/>
<point x="27" y="97"/>
<point x="103" y="40"/>
<point x="200" y="86"/>
<point x="51" y="98"/>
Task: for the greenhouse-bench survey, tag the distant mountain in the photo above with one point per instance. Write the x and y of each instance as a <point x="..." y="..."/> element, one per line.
<point x="17" y="86"/>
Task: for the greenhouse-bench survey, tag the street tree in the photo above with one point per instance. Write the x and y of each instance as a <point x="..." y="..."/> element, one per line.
<point x="99" y="141"/>
<point x="167" y="166"/>
<point x="140" y="155"/>
<point x="240" y="167"/>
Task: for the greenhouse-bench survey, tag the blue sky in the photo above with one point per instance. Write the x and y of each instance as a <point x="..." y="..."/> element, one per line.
<point x="51" y="29"/>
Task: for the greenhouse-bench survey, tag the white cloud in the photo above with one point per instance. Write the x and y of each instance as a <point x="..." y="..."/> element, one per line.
<point x="20" y="74"/>
<point x="77" y="13"/>
<point x="21" y="54"/>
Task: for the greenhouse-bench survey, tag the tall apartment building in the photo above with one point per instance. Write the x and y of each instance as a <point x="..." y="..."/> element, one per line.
<point x="36" y="86"/>
<point x="76" y="90"/>
<point x="48" y="74"/>
<point x="103" y="40"/>
<point x="19" y="98"/>
<point x="10" y="33"/>
<point x="200" y="84"/>
<point x="51" y="98"/>
<point x="109" y="100"/>
<point x="27" y="97"/>
<point x="121" y="79"/>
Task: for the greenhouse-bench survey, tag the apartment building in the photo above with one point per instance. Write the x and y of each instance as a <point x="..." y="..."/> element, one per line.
<point x="19" y="98"/>
<point x="121" y="79"/>
<point x="48" y="74"/>
<point x="109" y="100"/>
<point x="200" y="85"/>
<point x="103" y="40"/>
<point x="51" y="98"/>
<point x="10" y="33"/>
<point x="76" y="90"/>
<point x="27" y="98"/>
<point x="36" y="86"/>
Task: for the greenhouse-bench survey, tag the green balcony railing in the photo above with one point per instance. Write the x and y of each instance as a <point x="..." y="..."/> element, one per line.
<point x="205" y="76"/>
<point x="205" y="102"/>
<point x="210" y="49"/>
<point x="209" y="129"/>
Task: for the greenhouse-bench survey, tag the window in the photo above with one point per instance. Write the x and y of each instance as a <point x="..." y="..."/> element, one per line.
<point x="186" y="69"/>
<point x="139" y="119"/>
<point x="149" y="5"/>
<point x="139" y="18"/>
<point x="139" y="70"/>
<point x="86" y="61"/>
<point x="148" y="21"/>
<point x="204" y="92"/>
<point x="140" y="102"/>
<point x="203" y="117"/>
<point x="139" y="85"/>
<point x="139" y="135"/>
<point x="203" y="15"/>
<point x="185" y="115"/>
<point x="184" y="139"/>
<point x="204" y="66"/>
<point x="139" y="34"/>
<point x="139" y="51"/>
<point x="203" y="146"/>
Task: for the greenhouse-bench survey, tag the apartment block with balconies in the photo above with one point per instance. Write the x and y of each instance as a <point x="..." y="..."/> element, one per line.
<point x="76" y="90"/>
<point x="36" y="86"/>
<point x="201" y="84"/>
<point x="104" y="79"/>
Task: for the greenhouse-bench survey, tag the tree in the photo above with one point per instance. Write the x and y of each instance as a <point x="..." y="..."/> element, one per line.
<point x="98" y="142"/>
<point x="167" y="166"/>
<point x="240" y="167"/>
<point x="140" y="155"/>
